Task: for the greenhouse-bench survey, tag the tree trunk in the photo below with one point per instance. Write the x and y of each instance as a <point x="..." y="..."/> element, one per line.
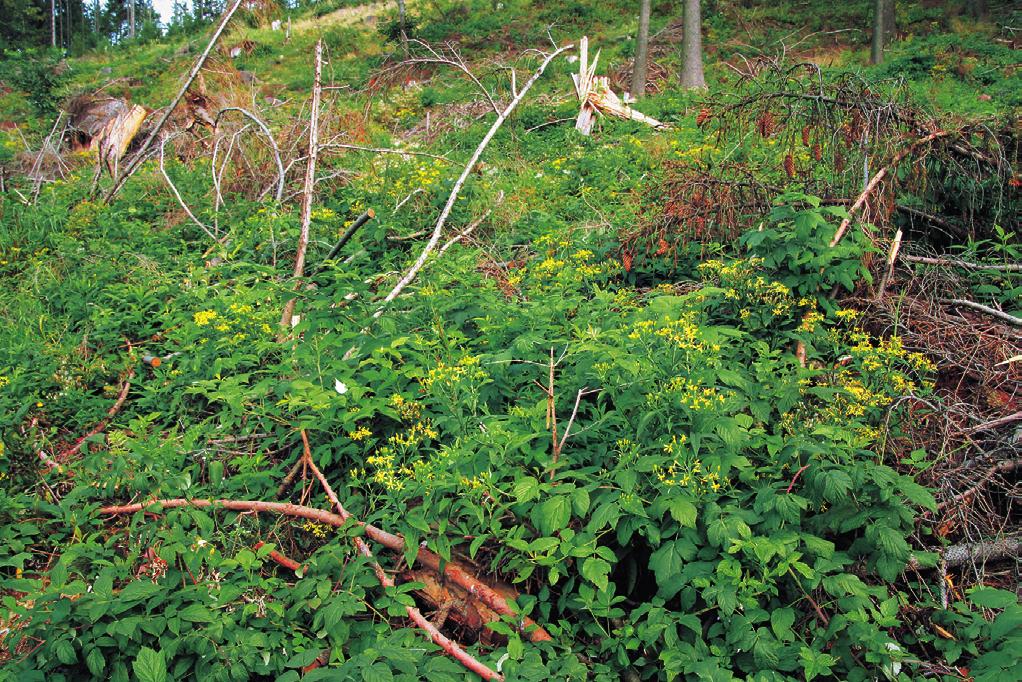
<point x="401" y="14"/>
<point x="876" y="54"/>
<point x="641" y="69"/>
<point x="692" y="70"/>
<point x="890" y="22"/>
<point x="979" y="11"/>
<point x="53" y="23"/>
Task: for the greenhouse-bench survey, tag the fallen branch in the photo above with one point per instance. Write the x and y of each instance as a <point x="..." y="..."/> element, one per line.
<point x="1002" y="467"/>
<point x="308" y="191"/>
<point x="965" y="265"/>
<point x="959" y="555"/>
<point x="279" y="558"/>
<point x="110" y="414"/>
<point x="451" y="570"/>
<point x="438" y="228"/>
<point x="994" y="423"/>
<point x="384" y="150"/>
<point x="450" y="647"/>
<point x="177" y="195"/>
<point x="472" y="226"/>
<point x="874" y="182"/>
<point x="269" y="136"/>
<point x="158" y="128"/>
<point x="993" y="312"/>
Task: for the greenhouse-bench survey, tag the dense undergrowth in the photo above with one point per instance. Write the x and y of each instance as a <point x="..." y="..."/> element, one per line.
<point x="699" y="503"/>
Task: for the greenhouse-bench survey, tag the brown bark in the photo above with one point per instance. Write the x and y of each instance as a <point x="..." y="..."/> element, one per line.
<point x="451" y="570"/>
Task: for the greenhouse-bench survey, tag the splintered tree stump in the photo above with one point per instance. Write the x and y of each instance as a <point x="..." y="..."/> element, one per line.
<point x="596" y="97"/>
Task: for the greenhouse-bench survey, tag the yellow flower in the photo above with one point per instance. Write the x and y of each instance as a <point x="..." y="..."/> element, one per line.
<point x="204" y="317"/>
<point x="360" y="434"/>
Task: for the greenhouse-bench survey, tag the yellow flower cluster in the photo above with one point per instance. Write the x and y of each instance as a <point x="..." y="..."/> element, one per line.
<point x="409" y="410"/>
<point x="318" y="530"/>
<point x="387" y="472"/>
<point x="323" y="213"/>
<point x="810" y="320"/>
<point x="4" y="380"/>
<point x="204" y="317"/>
<point x="449" y="375"/>
<point x="691" y="476"/>
<point x="414" y="436"/>
<point x="360" y="434"/>
<point x="675" y="443"/>
<point x="682" y="332"/>
<point x="887" y="353"/>
<point x="693" y="396"/>
<point x="740" y="282"/>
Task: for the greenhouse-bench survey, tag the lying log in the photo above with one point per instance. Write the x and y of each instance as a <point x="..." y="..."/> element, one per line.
<point x="596" y="97"/>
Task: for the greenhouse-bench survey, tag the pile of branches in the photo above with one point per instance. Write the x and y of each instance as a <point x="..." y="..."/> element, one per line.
<point x="830" y="138"/>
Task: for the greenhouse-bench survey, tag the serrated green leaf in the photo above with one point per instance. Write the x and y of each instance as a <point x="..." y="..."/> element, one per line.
<point x="150" y="666"/>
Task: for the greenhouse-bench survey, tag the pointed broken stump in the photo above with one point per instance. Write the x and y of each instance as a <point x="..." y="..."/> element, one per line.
<point x="596" y="97"/>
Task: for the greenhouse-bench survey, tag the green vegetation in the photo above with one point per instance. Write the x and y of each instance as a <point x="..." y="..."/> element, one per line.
<point x="690" y="442"/>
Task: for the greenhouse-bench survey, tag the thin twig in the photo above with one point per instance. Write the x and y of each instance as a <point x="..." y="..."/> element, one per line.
<point x="177" y="195"/>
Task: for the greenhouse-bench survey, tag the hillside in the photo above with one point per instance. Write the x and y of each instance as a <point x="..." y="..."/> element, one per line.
<point x="390" y="372"/>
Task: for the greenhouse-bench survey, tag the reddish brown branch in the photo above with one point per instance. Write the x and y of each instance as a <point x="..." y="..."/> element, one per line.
<point x="286" y="562"/>
<point x="451" y="570"/>
<point x="795" y="478"/>
<point x="98" y="428"/>
<point x="449" y="646"/>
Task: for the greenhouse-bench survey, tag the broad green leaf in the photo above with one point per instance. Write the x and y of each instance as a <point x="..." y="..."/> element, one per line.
<point x="150" y="666"/>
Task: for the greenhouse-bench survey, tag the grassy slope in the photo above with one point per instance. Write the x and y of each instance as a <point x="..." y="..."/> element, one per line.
<point x="83" y="277"/>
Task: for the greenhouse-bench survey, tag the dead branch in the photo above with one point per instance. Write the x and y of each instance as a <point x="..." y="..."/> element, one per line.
<point x="965" y="265"/>
<point x="452" y="570"/>
<point x="285" y="561"/>
<point x="472" y="226"/>
<point x="450" y="647"/>
<point x="383" y="150"/>
<point x="993" y="312"/>
<point x="456" y="61"/>
<point x="269" y="136"/>
<point x="310" y="182"/>
<point x="961" y="554"/>
<point x="1002" y="467"/>
<point x="177" y="194"/>
<point x="158" y="128"/>
<point x="874" y="182"/>
<point x="110" y="414"/>
<point x="438" y="228"/>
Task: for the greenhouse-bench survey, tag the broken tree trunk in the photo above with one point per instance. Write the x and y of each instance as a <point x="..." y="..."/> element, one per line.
<point x="596" y="97"/>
